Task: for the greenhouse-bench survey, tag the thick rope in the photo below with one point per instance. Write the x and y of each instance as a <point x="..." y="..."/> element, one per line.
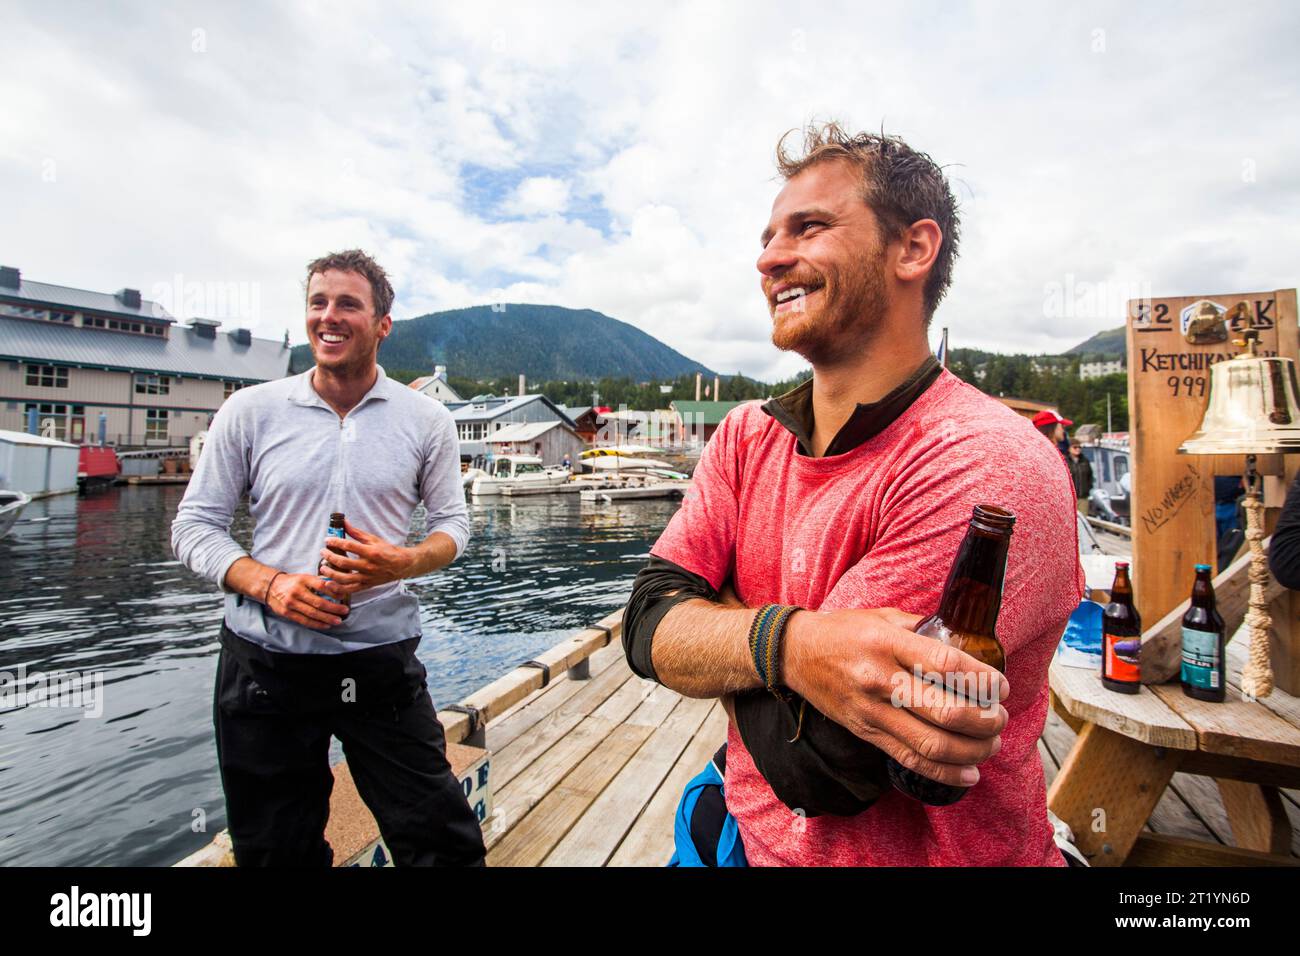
<point x="1257" y="675"/>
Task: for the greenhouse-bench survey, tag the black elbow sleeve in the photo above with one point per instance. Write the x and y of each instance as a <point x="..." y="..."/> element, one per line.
<point x="658" y="588"/>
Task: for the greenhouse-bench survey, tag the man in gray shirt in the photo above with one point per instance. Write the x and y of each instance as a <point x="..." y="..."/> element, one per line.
<point x="305" y="656"/>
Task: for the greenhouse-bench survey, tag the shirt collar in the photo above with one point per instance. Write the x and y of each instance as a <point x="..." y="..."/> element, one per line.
<point x="794" y="411"/>
<point x="303" y="393"/>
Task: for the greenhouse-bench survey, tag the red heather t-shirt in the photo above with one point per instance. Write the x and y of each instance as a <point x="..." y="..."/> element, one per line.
<point x="879" y="526"/>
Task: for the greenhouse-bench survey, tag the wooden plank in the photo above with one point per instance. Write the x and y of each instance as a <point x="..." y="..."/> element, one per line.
<point x="526" y="714"/>
<point x="658" y="702"/>
<point x="1162" y="644"/>
<point x="1285" y="705"/>
<point x="1059" y="709"/>
<point x="1236" y="727"/>
<point x="498" y="697"/>
<point x="650" y="840"/>
<point x="1259" y="821"/>
<point x="1190" y="807"/>
<point x="1111" y="782"/>
<point x="593" y="840"/>
<point x="546" y="824"/>
<point x="1291" y="803"/>
<point x="516" y="756"/>
<point x="1201" y="794"/>
<point x="1141" y="716"/>
<point x="1238" y="768"/>
<point x="1168" y="389"/>
<point x="1152" y="849"/>
<point x="530" y="787"/>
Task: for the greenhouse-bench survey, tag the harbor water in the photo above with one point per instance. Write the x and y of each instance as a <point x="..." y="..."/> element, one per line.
<point x="95" y="596"/>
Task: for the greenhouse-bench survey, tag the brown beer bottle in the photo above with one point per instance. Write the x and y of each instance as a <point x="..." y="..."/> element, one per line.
<point x="967" y="619"/>
<point x="1202" y="671"/>
<point x="1121" y="637"/>
<point x="335" y="530"/>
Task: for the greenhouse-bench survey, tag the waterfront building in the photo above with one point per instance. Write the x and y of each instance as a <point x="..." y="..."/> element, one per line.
<point x="435" y="386"/>
<point x="697" y="421"/>
<point x="478" y="418"/>
<point x="73" y="355"/>
<point x="550" y="441"/>
<point x="1089" y="370"/>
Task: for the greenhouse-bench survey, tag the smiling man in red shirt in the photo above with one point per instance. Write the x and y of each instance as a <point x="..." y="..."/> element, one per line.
<point x="843" y="502"/>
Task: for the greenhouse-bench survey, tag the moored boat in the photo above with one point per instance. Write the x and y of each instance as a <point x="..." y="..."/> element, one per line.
<point x="12" y="504"/>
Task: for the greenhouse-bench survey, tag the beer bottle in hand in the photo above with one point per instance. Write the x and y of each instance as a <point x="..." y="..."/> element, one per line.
<point x="967" y="619"/>
<point x="1121" y="637"/>
<point x="1202" y="672"/>
<point x="335" y="530"/>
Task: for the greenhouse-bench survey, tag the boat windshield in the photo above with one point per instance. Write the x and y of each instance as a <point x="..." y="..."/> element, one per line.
<point x="528" y="468"/>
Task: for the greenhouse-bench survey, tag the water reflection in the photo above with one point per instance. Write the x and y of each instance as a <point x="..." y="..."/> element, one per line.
<point x="94" y="589"/>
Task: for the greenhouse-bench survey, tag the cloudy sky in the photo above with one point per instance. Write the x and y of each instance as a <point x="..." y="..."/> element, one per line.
<point x="619" y="157"/>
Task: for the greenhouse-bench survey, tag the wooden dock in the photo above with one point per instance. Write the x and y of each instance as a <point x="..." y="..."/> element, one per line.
<point x="589" y="773"/>
<point x="588" y="770"/>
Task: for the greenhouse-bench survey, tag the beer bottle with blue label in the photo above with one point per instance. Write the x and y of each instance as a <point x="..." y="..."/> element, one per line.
<point x="335" y="530"/>
<point x="1202" y="673"/>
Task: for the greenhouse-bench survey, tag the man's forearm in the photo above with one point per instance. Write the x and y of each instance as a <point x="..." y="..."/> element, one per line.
<point x="436" y="551"/>
<point x="701" y="649"/>
<point x="250" y="578"/>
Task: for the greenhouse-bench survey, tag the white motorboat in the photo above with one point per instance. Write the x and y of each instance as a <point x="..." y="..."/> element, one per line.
<point x="12" y="504"/>
<point x="517" y="471"/>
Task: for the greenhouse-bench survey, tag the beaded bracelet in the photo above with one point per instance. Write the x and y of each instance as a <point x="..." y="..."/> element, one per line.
<point x="765" y="635"/>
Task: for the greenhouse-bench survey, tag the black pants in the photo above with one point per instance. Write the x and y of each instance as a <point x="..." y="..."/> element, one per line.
<point x="274" y="715"/>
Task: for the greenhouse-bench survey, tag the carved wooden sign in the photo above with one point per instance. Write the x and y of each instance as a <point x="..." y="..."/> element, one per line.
<point x="1172" y="345"/>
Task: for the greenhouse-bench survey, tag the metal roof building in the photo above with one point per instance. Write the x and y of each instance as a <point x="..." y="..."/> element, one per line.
<point x="184" y="351"/>
<point x="89" y="363"/>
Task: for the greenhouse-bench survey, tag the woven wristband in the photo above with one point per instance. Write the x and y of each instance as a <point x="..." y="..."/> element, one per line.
<point x="765" y="636"/>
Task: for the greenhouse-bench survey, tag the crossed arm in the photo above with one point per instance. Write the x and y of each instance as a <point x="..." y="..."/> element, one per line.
<point x="852" y="665"/>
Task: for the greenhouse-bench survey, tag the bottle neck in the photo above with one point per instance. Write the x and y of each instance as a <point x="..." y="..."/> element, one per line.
<point x="1203" y="592"/>
<point x="972" y="597"/>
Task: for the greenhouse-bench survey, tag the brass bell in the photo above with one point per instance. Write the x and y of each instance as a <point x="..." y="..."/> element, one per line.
<point x="1252" y="409"/>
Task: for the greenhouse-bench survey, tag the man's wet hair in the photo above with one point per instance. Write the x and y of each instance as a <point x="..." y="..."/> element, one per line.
<point x="354" y="260"/>
<point x="899" y="184"/>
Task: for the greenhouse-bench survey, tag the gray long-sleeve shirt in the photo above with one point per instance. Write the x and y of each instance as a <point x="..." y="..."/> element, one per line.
<point x="297" y="461"/>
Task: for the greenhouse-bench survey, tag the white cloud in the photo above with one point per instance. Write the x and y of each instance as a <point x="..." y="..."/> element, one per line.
<point x="620" y="159"/>
<point x="538" y="196"/>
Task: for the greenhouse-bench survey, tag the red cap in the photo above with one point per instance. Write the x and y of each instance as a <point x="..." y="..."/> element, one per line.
<point x="1050" y="418"/>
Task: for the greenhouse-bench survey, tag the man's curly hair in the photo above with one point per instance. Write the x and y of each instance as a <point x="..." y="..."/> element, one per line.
<point x="354" y="260"/>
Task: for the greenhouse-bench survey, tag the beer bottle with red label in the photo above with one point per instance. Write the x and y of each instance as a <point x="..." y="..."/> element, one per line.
<point x="1121" y="637"/>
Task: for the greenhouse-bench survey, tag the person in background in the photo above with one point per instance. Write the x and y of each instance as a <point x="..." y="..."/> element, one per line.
<point x="1080" y="473"/>
<point x="1052" y="426"/>
<point x="567" y="463"/>
<point x="1284" y="548"/>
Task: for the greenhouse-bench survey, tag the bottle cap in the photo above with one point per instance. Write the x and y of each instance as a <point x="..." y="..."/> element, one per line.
<point x="1121" y="564"/>
<point x="1202" y="567"/>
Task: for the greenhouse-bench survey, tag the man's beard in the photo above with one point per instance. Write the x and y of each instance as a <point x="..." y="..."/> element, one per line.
<point x="847" y="319"/>
<point x="356" y="363"/>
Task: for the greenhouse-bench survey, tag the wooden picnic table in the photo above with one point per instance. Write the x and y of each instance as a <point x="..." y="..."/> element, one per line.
<point x="1129" y="746"/>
